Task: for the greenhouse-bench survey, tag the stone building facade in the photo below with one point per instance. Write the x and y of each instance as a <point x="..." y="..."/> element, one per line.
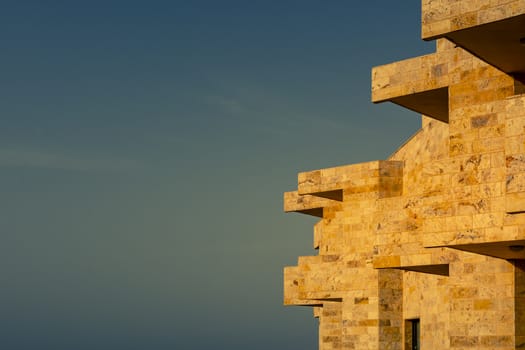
<point x="427" y="248"/>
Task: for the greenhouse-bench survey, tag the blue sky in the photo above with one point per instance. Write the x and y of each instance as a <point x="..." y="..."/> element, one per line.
<point x="144" y="149"/>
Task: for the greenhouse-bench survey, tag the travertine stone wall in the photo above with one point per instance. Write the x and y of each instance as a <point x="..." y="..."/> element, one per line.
<point x="444" y="16"/>
<point x="519" y="303"/>
<point x="515" y="154"/>
<point x="482" y="303"/>
<point x="437" y="231"/>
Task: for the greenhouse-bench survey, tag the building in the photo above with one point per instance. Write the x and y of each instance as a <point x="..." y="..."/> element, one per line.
<point x="427" y="248"/>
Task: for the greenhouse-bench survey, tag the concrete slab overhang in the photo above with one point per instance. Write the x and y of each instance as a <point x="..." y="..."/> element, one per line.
<point x="381" y="177"/>
<point x="305" y="204"/>
<point x="430" y="261"/>
<point x="419" y="84"/>
<point x="294" y="288"/>
<point x="509" y="250"/>
<point x="312" y="281"/>
<point x="436" y="269"/>
<point x="432" y="103"/>
<point x="501" y="44"/>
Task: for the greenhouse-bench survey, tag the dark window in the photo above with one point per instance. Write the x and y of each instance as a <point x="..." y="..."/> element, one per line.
<point x="412" y="334"/>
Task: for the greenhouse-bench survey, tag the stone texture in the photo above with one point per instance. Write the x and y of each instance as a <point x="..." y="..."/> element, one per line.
<point x="435" y="232"/>
<point x="444" y="16"/>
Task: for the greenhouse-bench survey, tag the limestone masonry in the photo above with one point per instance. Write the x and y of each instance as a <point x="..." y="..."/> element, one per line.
<point x="427" y="248"/>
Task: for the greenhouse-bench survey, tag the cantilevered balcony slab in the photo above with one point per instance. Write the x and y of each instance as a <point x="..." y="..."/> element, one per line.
<point x="294" y="288"/>
<point x="497" y="235"/>
<point x="381" y="177"/>
<point x="440" y="17"/>
<point x="431" y="261"/>
<point x="305" y="204"/>
<point x="491" y="31"/>
<point x="501" y="44"/>
<point x="505" y="250"/>
<point x="436" y="269"/>
<point x="316" y="279"/>
<point x="419" y="84"/>
<point x="432" y="103"/>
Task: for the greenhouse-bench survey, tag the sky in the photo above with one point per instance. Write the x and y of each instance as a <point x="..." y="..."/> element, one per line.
<point x="144" y="150"/>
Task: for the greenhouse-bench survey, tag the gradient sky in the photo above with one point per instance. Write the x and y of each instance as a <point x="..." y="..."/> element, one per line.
<point x="144" y="149"/>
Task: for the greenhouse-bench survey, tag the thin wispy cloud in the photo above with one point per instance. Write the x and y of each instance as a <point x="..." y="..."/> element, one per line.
<point x="274" y="115"/>
<point x="227" y="104"/>
<point x="36" y="158"/>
